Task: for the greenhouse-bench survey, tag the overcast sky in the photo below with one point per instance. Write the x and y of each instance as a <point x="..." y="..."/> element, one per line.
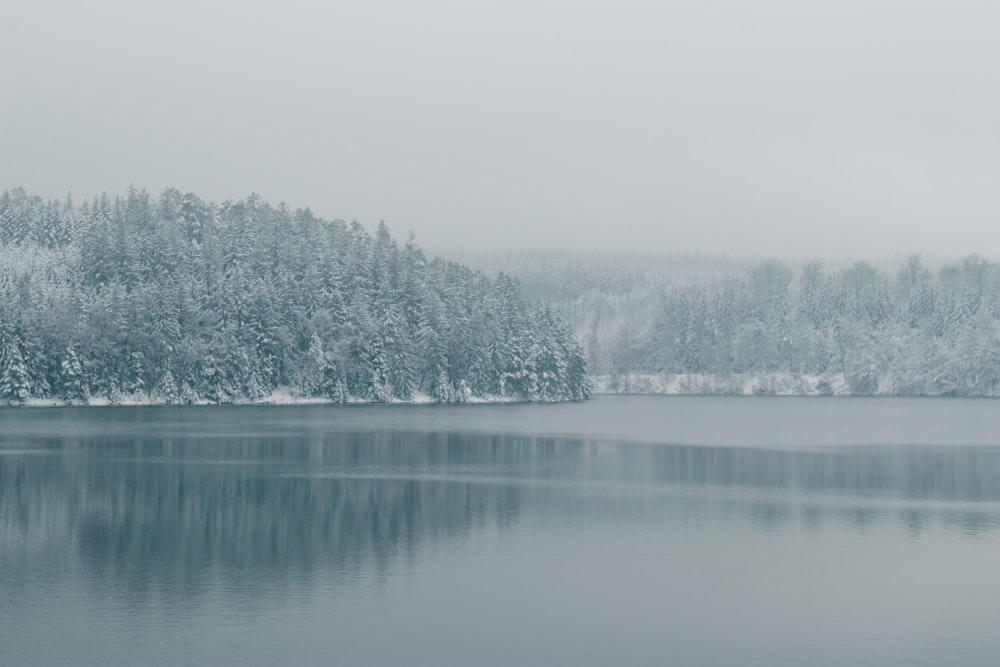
<point x="847" y="127"/>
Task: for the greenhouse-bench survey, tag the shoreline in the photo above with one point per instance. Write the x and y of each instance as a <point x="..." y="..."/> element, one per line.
<point x="769" y="384"/>
<point x="279" y="397"/>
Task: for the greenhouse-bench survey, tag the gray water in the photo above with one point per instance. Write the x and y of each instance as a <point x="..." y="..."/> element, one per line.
<point x="624" y="530"/>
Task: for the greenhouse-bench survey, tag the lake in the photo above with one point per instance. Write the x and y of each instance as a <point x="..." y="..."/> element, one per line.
<point x="624" y="530"/>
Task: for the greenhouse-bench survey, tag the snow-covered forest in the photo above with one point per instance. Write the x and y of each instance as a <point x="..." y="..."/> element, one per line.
<point x="178" y="300"/>
<point x="687" y="324"/>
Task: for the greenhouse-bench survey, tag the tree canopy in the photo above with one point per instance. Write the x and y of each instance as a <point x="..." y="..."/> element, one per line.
<point x="176" y="299"/>
<point x="912" y="328"/>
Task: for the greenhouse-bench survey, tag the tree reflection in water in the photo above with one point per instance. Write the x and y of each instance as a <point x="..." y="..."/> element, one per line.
<point x="169" y="513"/>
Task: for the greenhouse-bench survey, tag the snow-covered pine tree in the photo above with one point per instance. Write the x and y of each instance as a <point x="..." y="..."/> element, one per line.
<point x="15" y="379"/>
<point x="442" y="389"/>
<point x="315" y="368"/>
<point x="76" y="389"/>
<point x="7" y="222"/>
<point x="167" y="389"/>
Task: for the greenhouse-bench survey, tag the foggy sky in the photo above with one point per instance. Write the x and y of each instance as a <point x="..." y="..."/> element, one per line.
<point x="855" y="127"/>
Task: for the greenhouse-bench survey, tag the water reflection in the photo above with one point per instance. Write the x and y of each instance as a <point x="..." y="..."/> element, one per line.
<point x="169" y="512"/>
<point x="125" y="537"/>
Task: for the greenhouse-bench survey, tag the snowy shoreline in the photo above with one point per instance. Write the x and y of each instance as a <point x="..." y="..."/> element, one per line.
<point x="767" y="384"/>
<point x="636" y="384"/>
<point x="281" y="397"/>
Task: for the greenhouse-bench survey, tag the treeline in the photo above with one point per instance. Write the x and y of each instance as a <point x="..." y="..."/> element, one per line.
<point x="915" y="332"/>
<point x="908" y="329"/>
<point x="179" y="300"/>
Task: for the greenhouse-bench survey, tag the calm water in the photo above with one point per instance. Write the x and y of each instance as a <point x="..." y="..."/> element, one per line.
<point x="625" y="530"/>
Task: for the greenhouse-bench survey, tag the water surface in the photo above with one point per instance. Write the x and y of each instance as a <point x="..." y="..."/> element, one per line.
<point x="625" y="530"/>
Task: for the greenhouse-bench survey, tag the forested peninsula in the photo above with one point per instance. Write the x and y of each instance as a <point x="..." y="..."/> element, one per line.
<point x="178" y="300"/>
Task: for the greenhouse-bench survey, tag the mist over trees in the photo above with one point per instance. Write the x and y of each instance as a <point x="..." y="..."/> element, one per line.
<point x="179" y="300"/>
<point x="703" y="325"/>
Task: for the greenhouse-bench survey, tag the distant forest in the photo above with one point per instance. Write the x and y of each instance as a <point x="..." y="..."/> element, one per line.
<point x="689" y="324"/>
<point x="178" y="300"/>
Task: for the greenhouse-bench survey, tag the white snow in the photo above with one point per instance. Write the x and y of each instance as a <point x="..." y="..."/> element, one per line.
<point x="281" y="396"/>
<point x="777" y="384"/>
<point x="286" y="396"/>
<point x="43" y="402"/>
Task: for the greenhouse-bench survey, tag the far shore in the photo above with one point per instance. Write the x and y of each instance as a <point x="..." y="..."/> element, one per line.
<point x="769" y="384"/>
